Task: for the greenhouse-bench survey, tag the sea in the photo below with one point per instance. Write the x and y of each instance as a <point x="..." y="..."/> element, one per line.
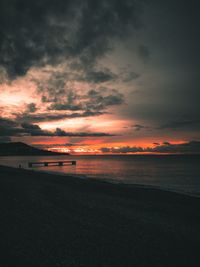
<point x="180" y="173"/>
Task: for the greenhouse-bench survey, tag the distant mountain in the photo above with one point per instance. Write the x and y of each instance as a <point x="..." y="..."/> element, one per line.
<point x="22" y="149"/>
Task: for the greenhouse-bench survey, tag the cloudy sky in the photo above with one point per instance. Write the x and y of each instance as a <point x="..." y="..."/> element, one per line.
<point x="109" y="75"/>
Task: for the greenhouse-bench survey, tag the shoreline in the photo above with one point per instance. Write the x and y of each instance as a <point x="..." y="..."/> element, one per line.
<point x="191" y="188"/>
<point x="53" y="220"/>
<point x="83" y="176"/>
<point x="97" y="181"/>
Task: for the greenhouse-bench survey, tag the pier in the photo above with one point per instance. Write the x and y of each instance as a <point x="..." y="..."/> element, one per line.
<point x="52" y="163"/>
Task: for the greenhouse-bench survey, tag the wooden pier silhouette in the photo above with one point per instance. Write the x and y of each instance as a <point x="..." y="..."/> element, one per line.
<point x="52" y="163"/>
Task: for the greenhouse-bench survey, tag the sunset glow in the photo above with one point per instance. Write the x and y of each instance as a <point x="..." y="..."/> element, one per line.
<point x="113" y="90"/>
<point x="99" y="133"/>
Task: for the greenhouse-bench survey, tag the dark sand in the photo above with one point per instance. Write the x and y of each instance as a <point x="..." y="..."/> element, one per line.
<point x="50" y="220"/>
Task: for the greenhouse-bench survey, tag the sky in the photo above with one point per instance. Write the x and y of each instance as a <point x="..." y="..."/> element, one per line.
<point x="103" y="76"/>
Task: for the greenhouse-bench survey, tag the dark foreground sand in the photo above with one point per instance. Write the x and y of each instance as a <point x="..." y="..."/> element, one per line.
<point x="48" y="220"/>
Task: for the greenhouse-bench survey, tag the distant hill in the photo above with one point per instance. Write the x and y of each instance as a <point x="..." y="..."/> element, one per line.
<point x="22" y="149"/>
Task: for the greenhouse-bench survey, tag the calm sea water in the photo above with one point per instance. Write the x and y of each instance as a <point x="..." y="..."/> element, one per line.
<point x="173" y="172"/>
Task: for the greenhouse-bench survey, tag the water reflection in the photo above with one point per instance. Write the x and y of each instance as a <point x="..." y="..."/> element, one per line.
<point x="177" y="172"/>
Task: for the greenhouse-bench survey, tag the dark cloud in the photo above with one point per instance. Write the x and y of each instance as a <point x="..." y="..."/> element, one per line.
<point x="129" y="76"/>
<point x="48" y="32"/>
<point x="54" y="87"/>
<point x="168" y="90"/>
<point x="31" y="107"/>
<point x="5" y="139"/>
<point x="31" y="118"/>
<point x="189" y="147"/>
<point x="138" y="127"/>
<point x="35" y="130"/>
<point x="166" y="143"/>
<point x="72" y="144"/>
<point x="98" y="76"/>
<point x="7" y="123"/>
<point x="106" y="150"/>
<point x="60" y="132"/>
<point x="45" y="146"/>
<point x="192" y="147"/>
<point x="125" y="149"/>
<point x="72" y="39"/>
<point x="181" y="124"/>
<point x="66" y="106"/>
<point x="40" y="117"/>
<point x="144" y="52"/>
<point x="59" y="96"/>
<point x="95" y="102"/>
<point x="11" y="128"/>
<point x="171" y="105"/>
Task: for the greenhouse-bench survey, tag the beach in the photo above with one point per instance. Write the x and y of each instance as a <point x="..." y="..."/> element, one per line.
<point x="53" y="220"/>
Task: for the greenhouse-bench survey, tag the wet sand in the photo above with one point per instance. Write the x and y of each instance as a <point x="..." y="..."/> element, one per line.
<point x="51" y="220"/>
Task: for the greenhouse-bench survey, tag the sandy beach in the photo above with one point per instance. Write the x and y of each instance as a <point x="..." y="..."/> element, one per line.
<point x="51" y="220"/>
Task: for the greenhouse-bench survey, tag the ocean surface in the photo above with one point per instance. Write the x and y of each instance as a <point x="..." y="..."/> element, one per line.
<point x="171" y="172"/>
